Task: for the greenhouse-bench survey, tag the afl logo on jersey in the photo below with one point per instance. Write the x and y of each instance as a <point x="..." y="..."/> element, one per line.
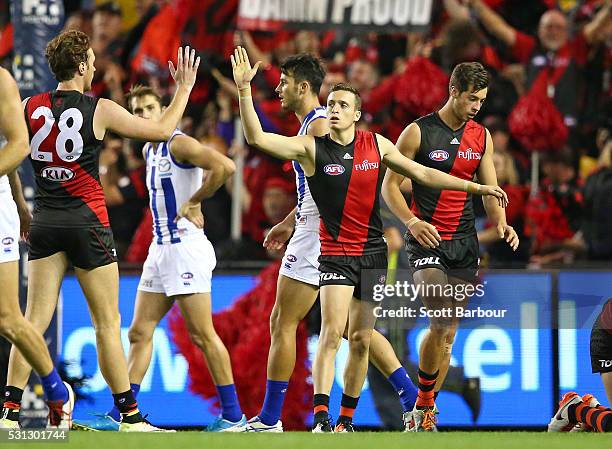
<point x="333" y="169"/>
<point x="57" y="174"/>
<point x="438" y="155"/>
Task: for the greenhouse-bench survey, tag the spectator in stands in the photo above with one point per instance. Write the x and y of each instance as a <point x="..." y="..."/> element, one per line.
<point x="554" y="214"/>
<point x="552" y="60"/>
<point x="595" y="236"/>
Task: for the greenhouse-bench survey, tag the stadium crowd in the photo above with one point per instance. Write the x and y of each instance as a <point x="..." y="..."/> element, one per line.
<point x="551" y="68"/>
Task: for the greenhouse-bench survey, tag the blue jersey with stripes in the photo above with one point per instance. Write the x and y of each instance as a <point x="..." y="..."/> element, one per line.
<point x="305" y="203"/>
<point x="170" y="184"/>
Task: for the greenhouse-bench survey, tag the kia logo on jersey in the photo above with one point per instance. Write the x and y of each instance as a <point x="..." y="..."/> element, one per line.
<point x="57" y="174"/>
<point x="438" y="155"/>
<point x="333" y="169"/>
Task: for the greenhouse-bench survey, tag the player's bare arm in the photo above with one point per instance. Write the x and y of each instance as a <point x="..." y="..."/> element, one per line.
<point x="493" y="22"/>
<point x="219" y="168"/>
<point x="280" y="233"/>
<point x="429" y="177"/>
<point x="497" y="215"/>
<point x="109" y="115"/>
<point x="300" y="148"/>
<point x="25" y="217"/>
<point x="425" y="233"/>
<point x="12" y="125"/>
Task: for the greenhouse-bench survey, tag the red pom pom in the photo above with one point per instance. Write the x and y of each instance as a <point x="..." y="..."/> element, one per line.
<point x="423" y="87"/>
<point x="537" y="124"/>
<point x="245" y="330"/>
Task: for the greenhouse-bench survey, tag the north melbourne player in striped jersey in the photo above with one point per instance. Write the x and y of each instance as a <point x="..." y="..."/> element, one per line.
<point x="181" y="259"/>
<point x="441" y="239"/>
<point x="298" y="281"/>
<point x="70" y="220"/>
<point x="350" y="231"/>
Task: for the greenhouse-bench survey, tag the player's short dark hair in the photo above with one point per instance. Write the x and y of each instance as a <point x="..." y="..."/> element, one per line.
<point x="138" y="91"/>
<point x="305" y="67"/>
<point x="65" y="52"/>
<point x="469" y="75"/>
<point x="348" y="88"/>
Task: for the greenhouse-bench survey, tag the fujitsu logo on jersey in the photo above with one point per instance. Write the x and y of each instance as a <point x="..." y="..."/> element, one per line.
<point x="438" y="155"/>
<point x="366" y="165"/>
<point x="469" y="154"/>
<point x="333" y="169"/>
<point x="57" y="174"/>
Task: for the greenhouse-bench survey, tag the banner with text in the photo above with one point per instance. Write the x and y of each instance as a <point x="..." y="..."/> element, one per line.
<point x="349" y="15"/>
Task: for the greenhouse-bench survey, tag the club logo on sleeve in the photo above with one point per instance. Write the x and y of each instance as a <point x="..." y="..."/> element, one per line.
<point x="333" y="169"/>
<point x="57" y="174"/>
<point x="438" y="155"/>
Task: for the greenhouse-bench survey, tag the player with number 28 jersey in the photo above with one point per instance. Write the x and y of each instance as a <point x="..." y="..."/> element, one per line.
<point x="64" y="153"/>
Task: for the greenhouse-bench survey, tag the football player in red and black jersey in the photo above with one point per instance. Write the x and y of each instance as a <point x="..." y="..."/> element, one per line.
<point x="14" y="221"/>
<point x="70" y="223"/>
<point x="441" y="239"/>
<point x="344" y="173"/>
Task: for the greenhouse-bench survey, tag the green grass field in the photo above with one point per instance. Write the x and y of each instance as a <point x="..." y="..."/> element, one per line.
<point x="303" y="440"/>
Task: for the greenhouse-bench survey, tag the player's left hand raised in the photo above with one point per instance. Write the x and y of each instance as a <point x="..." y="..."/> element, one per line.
<point x="192" y="212"/>
<point x="495" y="191"/>
<point x="508" y="233"/>
<point x="241" y="67"/>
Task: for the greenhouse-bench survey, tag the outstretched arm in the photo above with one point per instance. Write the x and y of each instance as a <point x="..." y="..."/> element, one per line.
<point x="290" y="148"/>
<point x="425" y="233"/>
<point x="110" y="115"/>
<point x="431" y="177"/>
<point x="12" y="125"/>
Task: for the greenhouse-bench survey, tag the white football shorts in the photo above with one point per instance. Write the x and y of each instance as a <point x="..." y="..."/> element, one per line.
<point x="9" y="229"/>
<point x="301" y="259"/>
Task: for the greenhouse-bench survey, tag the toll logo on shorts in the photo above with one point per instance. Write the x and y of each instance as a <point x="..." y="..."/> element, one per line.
<point x="605" y="363"/>
<point x="8" y="241"/>
<point x="331" y="276"/>
<point x="427" y="261"/>
<point x="291" y="258"/>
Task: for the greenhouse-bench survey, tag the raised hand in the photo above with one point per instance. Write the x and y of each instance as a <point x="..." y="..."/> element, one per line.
<point x="187" y="64"/>
<point x="241" y="66"/>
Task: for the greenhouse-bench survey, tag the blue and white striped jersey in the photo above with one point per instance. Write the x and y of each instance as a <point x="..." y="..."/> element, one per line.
<point x="305" y="203"/>
<point x="170" y="184"/>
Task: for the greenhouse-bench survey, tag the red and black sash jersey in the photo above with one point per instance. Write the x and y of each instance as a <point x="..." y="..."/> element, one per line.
<point x="346" y="188"/>
<point x="457" y="153"/>
<point x="65" y="157"/>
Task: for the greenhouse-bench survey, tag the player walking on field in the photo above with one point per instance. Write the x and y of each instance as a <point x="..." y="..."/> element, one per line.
<point x="70" y="223"/>
<point x="13" y="210"/>
<point x="344" y="174"/>
<point x="441" y="243"/>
